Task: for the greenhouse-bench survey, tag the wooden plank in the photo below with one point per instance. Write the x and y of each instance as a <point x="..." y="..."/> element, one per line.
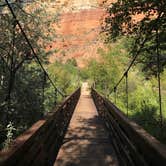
<point x="86" y="141"/>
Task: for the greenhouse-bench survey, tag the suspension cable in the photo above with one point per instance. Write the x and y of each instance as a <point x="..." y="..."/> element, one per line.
<point x="32" y="49"/>
<point x="115" y="93"/>
<point x="130" y="65"/>
<point x="44" y="80"/>
<point x="125" y="75"/>
<point x="127" y="93"/>
<point x="137" y="53"/>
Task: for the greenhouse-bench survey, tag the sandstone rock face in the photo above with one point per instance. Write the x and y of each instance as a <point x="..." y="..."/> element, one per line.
<point x="78" y="31"/>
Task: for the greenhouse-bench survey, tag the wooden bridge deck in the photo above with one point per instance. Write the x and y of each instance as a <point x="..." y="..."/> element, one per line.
<point x="86" y="141"/>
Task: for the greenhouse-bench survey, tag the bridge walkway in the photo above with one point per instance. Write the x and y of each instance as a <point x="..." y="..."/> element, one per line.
<point x="86" y="141"/>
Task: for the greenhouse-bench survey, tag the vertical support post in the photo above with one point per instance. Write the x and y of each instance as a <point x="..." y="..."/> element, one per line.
<point x="115" y="93"/>
<point x="94" y="85"/>
<point x="2" y="73"/>
<point x="56" y="93"/>
<point x="127" y="93"/>
<point x="43" y="87"/>
<point x="12" y="72"/>
<point x="158" y="77"/>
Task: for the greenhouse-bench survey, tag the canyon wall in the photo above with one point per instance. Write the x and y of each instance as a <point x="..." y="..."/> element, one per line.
<point x="78" y="30"/>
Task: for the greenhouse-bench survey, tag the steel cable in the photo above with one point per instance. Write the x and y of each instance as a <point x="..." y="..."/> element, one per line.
<point x="31" y="47"/>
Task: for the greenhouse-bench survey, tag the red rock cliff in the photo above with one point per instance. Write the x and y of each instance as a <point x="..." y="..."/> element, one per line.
<point x="78" y="32"/>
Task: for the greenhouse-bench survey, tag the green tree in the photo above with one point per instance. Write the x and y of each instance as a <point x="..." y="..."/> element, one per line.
<point x="148" y="33"/>
<point x="21" y="78"/>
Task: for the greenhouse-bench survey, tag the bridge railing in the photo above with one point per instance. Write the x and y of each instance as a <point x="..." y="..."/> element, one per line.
<point x="134" y="146"/>
<point x="40" y="144"/>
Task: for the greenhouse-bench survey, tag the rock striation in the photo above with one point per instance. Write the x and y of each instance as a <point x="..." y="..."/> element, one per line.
<point x="78" y="31"/>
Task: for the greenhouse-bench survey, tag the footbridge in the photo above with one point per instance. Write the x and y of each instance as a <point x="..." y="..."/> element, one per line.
<point x="86" y="129"/>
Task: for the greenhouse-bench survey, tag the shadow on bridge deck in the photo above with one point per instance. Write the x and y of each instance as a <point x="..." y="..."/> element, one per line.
<point x="86" y="141"/>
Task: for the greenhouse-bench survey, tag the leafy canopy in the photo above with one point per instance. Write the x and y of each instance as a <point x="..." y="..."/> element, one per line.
<point x="145" y="22"/>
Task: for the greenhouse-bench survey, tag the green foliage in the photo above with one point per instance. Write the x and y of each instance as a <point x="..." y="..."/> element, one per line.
<point x="66" y="78"/>
<point x="26" y="95"/>
<point x="143" y="98"/>
<point x="147" y="33"/>
<point x="10" y="128"/>
<point x="71" y="62"/>
<point x="143" y="92"/>
<point x="143" y="22"/>
<point x="21" y="78"/>
<point x="105" y="73"/>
